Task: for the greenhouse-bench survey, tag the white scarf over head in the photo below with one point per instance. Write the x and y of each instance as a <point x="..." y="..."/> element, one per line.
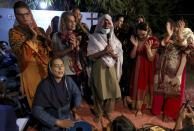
<point x="97" y="42"/>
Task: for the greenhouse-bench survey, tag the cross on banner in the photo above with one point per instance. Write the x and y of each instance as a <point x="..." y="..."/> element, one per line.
<point x="92" y="19"/>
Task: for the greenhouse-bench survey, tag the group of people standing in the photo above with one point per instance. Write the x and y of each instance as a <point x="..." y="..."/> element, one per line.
<point x="55" y="67"/>
<point x="158" y="68"/>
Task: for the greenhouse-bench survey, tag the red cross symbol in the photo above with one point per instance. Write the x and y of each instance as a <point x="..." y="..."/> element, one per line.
<point x="92" y="19"/>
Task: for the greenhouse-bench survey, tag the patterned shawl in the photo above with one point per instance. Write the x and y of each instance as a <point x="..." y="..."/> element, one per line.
<point x="18" y="37"/>
<point x="74" y="62"/>
<point x="171" y="64"/>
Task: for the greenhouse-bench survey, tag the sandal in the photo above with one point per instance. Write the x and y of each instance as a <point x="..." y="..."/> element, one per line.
<point x="109" y="117"/>
<point x="139" y="114"/>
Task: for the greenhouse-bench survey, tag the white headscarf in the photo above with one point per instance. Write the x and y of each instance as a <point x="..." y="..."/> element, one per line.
<point x="98" y="41"/>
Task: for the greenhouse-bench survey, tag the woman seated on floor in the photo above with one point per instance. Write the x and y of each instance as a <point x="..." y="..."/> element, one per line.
<point x="54" y="97"/>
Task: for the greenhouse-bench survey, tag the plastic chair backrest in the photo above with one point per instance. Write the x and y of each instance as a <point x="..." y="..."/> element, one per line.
<point x="7" y="119"/>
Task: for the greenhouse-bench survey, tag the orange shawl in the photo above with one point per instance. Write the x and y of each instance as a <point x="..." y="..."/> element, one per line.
<point x="18" y="36"/>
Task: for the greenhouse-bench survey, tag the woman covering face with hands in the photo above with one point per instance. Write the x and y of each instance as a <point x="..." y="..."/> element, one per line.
<point x="169" y="80"/>
<point x="144" y="51"/>
<point x="175" y="29"/>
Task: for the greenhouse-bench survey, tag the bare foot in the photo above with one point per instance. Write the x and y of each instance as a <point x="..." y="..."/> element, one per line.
<point x="139" y="114"/>
<point x="97" y="119"/>
<point x="110" y="118"/>
<point x="149" y="107"/>
<point x="125" y="103"/>
<point x="129" y="100"/>
<point x="167" y="119"/>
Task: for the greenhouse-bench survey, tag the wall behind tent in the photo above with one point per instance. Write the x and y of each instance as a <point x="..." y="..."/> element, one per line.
<point x="42" y="18"/>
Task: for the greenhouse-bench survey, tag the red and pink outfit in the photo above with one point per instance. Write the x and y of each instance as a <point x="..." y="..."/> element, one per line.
<point x="169" y="80"/>
<point x="141" y="84"/>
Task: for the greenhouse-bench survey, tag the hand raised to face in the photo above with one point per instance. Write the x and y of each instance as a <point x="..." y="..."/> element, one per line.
<point x="49" y="30"/>
<point x="33" y="31"/>
<point x="180" y="26"/>
<point x="169" y="28"/>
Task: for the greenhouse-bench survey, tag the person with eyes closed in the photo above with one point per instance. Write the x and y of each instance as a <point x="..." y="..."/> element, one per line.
<point x="67" y="46"/>
<point x="144" y="51"/>
<point x="32" y="49"/>
<point x="53" y="98"/>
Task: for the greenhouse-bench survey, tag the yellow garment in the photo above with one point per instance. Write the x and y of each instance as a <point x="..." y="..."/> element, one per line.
<point x="156" y="128"/>
<point x="33" y="58"/>
<point x="30" y="79"/>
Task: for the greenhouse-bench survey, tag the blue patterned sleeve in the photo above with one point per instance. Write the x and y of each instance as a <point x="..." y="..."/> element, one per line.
<point x="44" y="117"/>
<point x="75" y="92"/>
